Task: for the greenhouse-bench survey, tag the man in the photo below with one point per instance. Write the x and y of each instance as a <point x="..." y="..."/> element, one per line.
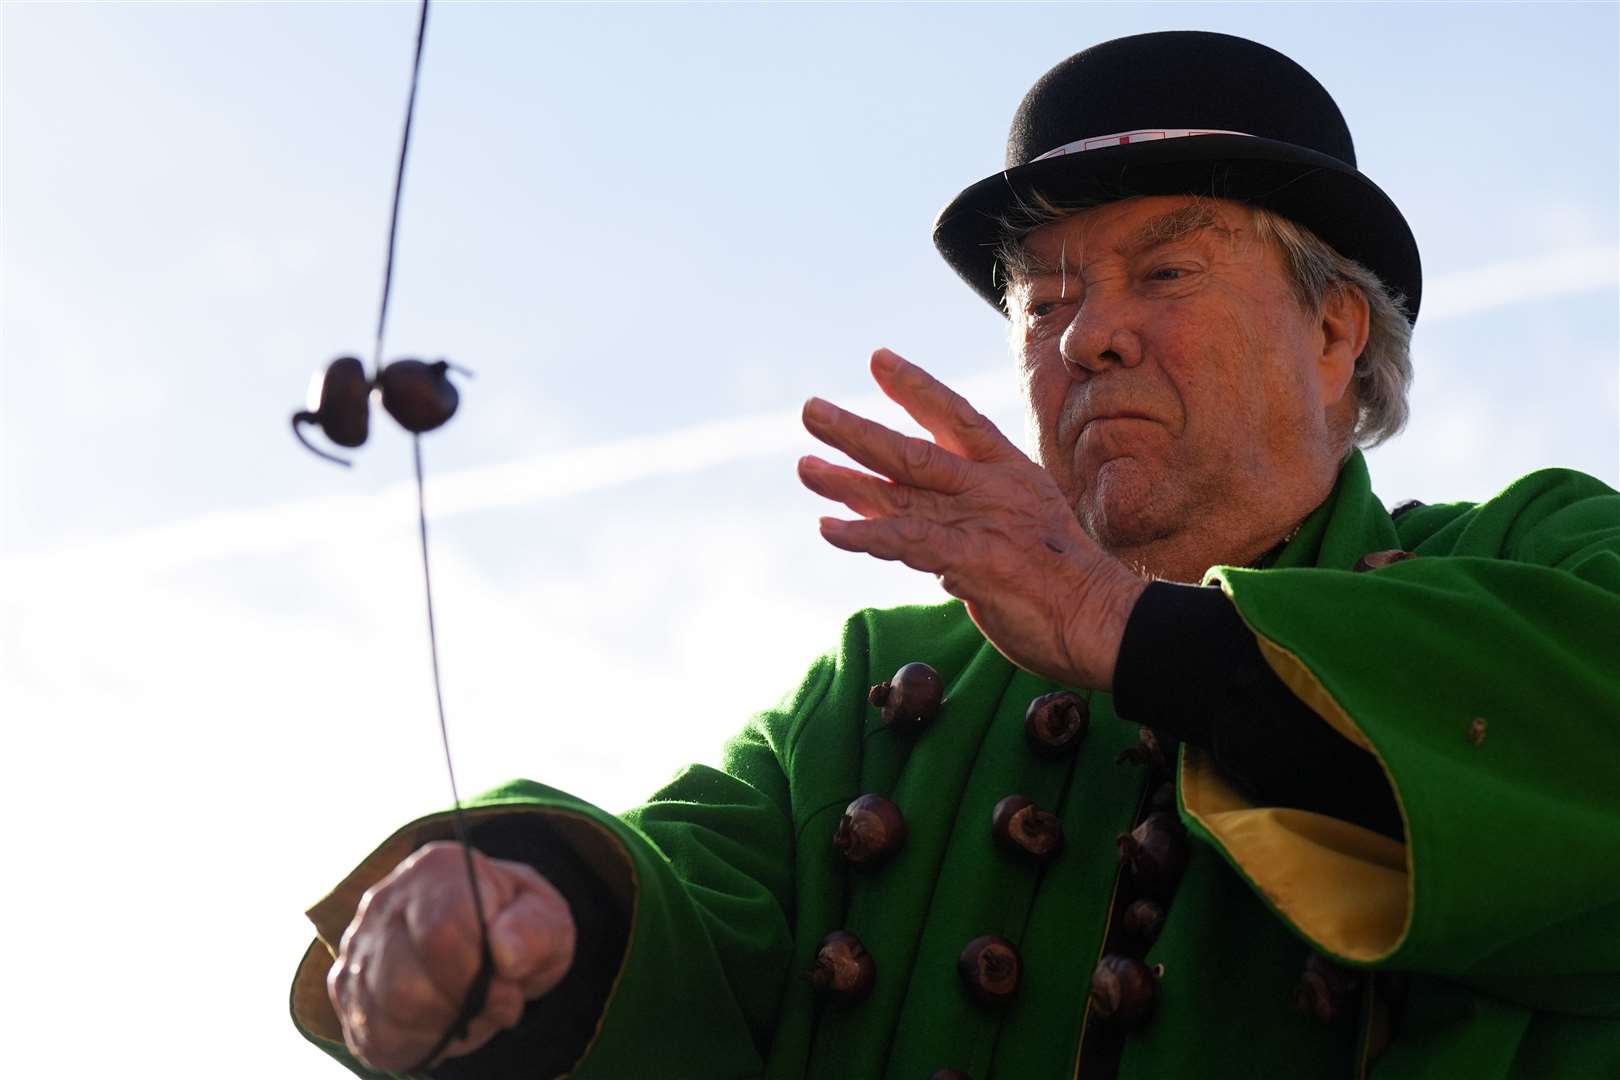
<point x="1397" y="734"/>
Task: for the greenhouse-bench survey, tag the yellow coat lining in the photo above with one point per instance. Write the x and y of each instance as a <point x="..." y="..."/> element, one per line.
<point x="1345" y="887"/>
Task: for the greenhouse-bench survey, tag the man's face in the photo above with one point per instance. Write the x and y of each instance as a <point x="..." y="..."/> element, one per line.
<point x="1170" y="374"/>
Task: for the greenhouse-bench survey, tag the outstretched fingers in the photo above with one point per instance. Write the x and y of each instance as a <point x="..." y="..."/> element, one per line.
<point x="901" y="458"/>
<point x="867" y="495"/>
<point x="945" y="414"/>
<point x="921" y="545"/>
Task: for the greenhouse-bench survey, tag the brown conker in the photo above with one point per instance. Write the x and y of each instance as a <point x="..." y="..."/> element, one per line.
<point x="1123" y="989"/>
<point x="948" y="1074"/>
<point x="1143" y="920"/>
<point x="341" y="412"/>
<point x="1325" y="990"/>
<point x="1025" y="829"/>
<point x="1156" y="751"/>
<point x="871" y="831"/>
<point x="1055" y="723"/>
<point x="911" y="699"/>
<point x="1377" y="560"/>
<point x="1156" y="852"/>
<point x="419" y="395"/>
<point x="990" y="968"/>
<point x="844" y="971"/>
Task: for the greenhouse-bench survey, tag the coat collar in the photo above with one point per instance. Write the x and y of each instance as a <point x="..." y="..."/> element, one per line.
<point x="1350" y="522"/>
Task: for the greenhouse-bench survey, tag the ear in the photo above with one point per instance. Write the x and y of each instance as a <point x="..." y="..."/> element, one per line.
<point x="1346" y="320"/>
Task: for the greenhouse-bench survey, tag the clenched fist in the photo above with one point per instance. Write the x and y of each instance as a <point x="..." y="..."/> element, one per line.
<point x="413" y="949"/>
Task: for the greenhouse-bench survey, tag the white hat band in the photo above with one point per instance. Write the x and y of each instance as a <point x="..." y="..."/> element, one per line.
<point x="1124" y="138"/>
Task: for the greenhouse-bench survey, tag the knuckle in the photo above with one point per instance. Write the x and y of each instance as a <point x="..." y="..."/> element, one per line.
<point x="338" y="983"/>
<point x="357" y="926"/>
<point x="375" y="896"/>
<point x="917" y="455"/>
<point x="912" y="530"/>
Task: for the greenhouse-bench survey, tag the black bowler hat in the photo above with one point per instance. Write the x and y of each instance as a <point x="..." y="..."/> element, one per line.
<point x="1185" y="113"/>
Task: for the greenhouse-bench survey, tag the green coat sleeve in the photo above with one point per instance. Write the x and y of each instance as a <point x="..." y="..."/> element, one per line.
<point x="706" y="870"/>
<point x="1485" y="677"/>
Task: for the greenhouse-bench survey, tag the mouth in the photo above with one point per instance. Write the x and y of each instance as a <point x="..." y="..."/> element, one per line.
<point x="1121" y="415"/>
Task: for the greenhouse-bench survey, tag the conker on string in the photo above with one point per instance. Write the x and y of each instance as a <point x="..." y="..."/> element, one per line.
<point x="990" y="968"/>
<point x="341" y="411"/>
<point x="1025" y="829"/>
<point x="1123" y="989"/>
<point x="1055" y="723"/>
<point x="911" y="699"/>
<point x="844" y="971"/>
<point x="1143" y="920"/>
<point x="871" y="831"/>
<point x="1156" y="852"/>
<point x="338" y="407"/>
<point x="1325" y="990"/>
<point x="1156" y="751"/>
<point x="419" y="395"/>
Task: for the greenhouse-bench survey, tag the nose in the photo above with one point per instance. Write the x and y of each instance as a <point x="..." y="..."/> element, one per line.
<point x="1098" y="339"/>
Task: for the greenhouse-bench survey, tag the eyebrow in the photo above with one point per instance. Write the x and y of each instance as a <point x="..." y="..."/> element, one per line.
<point x="1170" y="227"/>
<point x="1166" y="228"/>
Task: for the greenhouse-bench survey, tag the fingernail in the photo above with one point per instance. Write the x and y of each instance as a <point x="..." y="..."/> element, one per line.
<point x="832" y="526"/>
<point x="885" y="360"/>
<point x="816" y="409"/>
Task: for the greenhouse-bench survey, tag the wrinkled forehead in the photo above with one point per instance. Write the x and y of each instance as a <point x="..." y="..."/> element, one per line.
<point x="1125" y="228"/>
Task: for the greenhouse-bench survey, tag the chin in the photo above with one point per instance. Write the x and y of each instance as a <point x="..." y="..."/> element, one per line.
<point x="1123" y="507"/>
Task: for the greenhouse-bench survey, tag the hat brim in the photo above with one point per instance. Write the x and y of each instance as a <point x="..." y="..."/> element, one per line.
<point x="1336" y="202"/>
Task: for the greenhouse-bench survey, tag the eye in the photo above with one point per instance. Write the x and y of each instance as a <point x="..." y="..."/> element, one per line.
<point x="1042" y="310"/>
<point x="1166" y="273"/>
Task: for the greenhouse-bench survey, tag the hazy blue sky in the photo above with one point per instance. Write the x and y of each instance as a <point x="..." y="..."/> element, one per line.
<point x="652" y="231"/>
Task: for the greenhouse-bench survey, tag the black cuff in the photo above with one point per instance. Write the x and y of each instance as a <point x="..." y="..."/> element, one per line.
<point x="557" y="1028"/>
<point x="1185" y="658"/>
<point x="1190" y="668"/>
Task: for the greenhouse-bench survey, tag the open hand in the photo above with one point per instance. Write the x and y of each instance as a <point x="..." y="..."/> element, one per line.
<point x="413" y="948"/>
<point x="972" y="509"/>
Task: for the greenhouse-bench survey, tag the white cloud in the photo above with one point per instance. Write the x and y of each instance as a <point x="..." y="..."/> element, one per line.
<point x="1559" y="273"/>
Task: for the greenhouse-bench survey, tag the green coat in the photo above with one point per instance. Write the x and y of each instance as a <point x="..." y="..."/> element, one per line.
<point x="1504" y="902"/>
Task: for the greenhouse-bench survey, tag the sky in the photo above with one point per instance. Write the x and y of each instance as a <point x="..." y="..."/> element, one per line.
<point x="651" y="232"/>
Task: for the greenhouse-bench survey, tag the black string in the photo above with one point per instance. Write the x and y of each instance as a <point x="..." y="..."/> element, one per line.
<point x="473" y="1003"/>
<point x="399" y="184"/>
<point x="478" y="992"/>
